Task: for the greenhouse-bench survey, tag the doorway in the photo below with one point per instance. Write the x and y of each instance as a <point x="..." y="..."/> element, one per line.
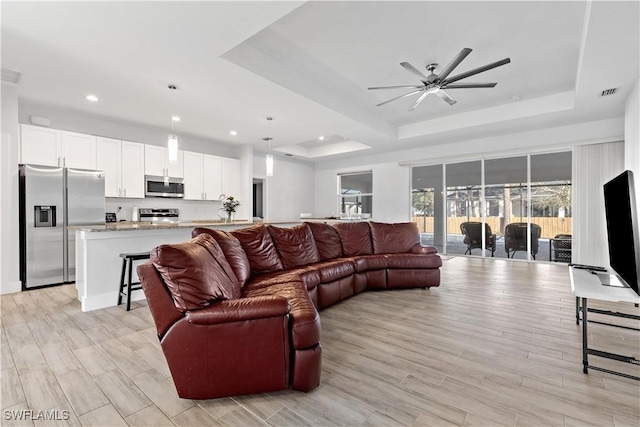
<point x="258" y="198"/>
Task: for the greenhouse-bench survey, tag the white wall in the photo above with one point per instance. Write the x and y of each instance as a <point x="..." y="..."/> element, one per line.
<point x="391" y="196"/>
<point x="289" y="192"/>
<point x="632" y="136"/>
<point x="9" y="154"/>
<point x="391" y="171"/>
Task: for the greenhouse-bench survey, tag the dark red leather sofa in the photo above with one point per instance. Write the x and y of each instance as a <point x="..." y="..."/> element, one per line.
<point x="237" y="312"/>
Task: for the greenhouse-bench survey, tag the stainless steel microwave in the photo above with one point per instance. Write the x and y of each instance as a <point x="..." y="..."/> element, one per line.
<point x="160" y="186"/>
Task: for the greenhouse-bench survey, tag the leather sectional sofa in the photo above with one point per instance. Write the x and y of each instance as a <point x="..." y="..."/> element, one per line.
<point x="237" y="313"/>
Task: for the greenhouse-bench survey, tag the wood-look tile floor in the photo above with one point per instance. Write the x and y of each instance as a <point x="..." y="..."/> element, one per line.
<point x="496" y="344"/>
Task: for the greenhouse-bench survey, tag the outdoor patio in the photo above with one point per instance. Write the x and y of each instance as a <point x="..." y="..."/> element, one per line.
<point x="455" y="246"/>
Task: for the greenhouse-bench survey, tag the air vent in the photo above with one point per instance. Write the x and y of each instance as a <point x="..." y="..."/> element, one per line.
<point x="608" y="92"/>
<point x="11" y="76"/>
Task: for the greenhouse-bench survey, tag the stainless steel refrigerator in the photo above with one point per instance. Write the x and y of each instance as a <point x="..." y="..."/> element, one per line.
<point x="51" y="199"/>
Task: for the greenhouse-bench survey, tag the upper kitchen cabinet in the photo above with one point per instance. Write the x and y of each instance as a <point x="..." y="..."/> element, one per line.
<point x="123" y="164"/>
<point x="51" y="147"/>
<point x="156" y="162"/>
<point x="230" y="176"/>
<point x="40" y="146"/>
<point x="212" y="173"/>
<point x="202" y="174"/>
<point x="78" y="150"/>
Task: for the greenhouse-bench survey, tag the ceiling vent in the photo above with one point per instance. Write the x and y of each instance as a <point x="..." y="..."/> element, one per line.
<point x="608" y="92"/>
<point x="11" y="76"/>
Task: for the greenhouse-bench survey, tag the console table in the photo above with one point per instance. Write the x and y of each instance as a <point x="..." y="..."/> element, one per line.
<point x="586" y="285"/>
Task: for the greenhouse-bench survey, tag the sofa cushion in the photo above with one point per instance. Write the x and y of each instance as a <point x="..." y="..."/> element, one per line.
<point x="355" y="238"/>
<point x="411" y="261"/>
<point x="196" y="272"/>
<point x="305" y="320"/>
<point x="233" y="252"/>
<point x="295" y="245"/>
<point x="330" y="271"/>
<point x="327" y="240"/>
<point x="394" y="238"/>
<point x="258" y="245"/>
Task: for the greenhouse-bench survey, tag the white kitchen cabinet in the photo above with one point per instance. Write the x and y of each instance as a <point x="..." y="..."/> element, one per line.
<point x="123" y="164"/>
<point x="52" y="147"/>
<point x="132" y="163"/>
<point x="212" y="172"/>
<point x="193" y="189"/>
<point x="230" y="177"/>
<point x="78" y="150"/>
<point x="40" y="146"/>
<point x="156" y="162"/>
<point x="201" y="176"/>
<point x="108" y="154"/>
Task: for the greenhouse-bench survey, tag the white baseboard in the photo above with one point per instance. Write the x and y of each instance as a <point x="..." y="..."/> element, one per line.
<point x="10" y="287"/>
<point x="110" y="299"/>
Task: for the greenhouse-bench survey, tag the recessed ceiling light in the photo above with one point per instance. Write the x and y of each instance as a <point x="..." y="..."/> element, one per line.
<point x="321" y="137"/>
<point x="233" y="132"/>
<point x="91" y="98"/>
<point x="175" y="118"/>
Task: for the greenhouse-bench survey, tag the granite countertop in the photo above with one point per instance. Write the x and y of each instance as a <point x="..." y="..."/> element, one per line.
<point x="131" y="225"/>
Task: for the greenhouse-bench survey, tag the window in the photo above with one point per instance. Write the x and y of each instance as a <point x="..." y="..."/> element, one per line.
<point x="355" y="194"/>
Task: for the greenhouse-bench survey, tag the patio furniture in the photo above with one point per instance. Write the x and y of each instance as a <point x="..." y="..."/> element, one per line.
<point x="515" y="238"/>
<point x="560" y="248"/>
<point x="472" y="231"/>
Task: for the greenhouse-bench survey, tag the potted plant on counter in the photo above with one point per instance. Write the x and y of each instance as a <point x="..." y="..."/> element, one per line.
<point x="230" y="205"/>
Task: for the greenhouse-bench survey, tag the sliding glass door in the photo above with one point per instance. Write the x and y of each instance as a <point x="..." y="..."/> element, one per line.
<point x="506" y="194"/>
<point x="464" y="192"/>
<point x="512" y="207"/>
<point x="427" y="204"/>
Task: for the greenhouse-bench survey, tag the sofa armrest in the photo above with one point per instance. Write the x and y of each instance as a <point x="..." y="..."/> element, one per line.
<point x="241" y="309"/>
<point x="422" y="249"/>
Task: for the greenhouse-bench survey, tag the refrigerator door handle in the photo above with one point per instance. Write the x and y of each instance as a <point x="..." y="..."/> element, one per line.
<point x="65" y="223"/>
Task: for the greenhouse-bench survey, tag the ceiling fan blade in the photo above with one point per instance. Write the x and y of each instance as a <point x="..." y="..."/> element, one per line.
<point x="410" y="68"/>
<point x="418" y="101"/>
<point x="445" y="96"/>
<point x="398" y="97"/>
<point x="468" y="85"/>
<point x="397" y="87"/>
<point x="476" y="71"/>
<point x="454" y="63"/>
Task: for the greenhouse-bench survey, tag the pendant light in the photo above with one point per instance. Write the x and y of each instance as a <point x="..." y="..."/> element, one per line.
<point x="172" y="143"/>
<point x="269" y="157"/>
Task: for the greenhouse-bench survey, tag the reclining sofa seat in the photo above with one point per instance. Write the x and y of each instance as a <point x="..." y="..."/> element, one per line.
<point x="293" y="272"/>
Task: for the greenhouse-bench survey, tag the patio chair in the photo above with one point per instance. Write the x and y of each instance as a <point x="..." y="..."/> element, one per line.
<point x="472" y="232"/>
<point x="515" y="238"/>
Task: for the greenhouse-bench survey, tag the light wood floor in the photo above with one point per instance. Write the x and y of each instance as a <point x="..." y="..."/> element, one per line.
<point x="496" y="344"/>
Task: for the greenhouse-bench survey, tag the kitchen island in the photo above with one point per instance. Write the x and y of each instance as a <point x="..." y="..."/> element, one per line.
<point x="98" y="249"/>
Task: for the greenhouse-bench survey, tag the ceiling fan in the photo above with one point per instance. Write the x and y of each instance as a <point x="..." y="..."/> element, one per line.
<point x="436" y="83"/>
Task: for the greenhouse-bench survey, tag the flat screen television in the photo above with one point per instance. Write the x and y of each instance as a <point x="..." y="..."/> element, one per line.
<point x="622" y="228"/>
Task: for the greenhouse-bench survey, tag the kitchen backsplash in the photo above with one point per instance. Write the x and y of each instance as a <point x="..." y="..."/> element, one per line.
<point x="189" y="209"/>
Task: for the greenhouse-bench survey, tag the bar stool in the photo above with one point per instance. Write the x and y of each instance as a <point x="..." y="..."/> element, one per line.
<point x="127" y="262"/>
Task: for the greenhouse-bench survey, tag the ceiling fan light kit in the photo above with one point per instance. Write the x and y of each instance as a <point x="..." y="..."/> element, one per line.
<point x="435" y="84"/>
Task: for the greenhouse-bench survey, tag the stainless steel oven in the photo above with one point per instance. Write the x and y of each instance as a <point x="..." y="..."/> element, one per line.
<point x="162" y="186"/>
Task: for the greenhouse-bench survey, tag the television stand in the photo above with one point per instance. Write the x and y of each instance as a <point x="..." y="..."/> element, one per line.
<point x="586" y="285"/>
